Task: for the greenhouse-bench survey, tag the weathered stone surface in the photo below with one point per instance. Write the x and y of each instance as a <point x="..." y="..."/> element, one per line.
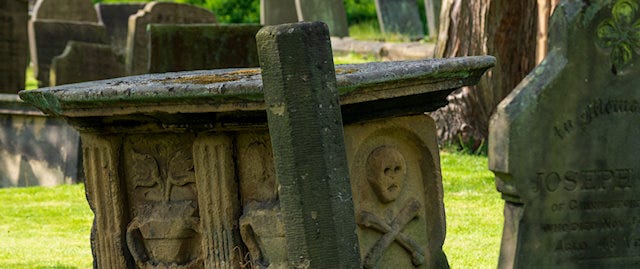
<point x="201" y="46"/>
<point x="305" y="125"/>
<point x="432" y="10"/>
<point x="65" y="10"/>
<point x="330" y="12"/>
<point x="115" y="17"/>
<point x="13" y="45"/>
<point x="564" y="147"/>
<point x="48" y="39"/>
<point x="400" y="17"/>
<point x="277" y="12"/>
<point x="82" y="62"/>
<point x="36" y="150"/>
<point x="137" y="53"/>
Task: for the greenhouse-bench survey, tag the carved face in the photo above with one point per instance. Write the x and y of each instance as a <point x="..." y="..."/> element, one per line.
<point x="386" y="173"/>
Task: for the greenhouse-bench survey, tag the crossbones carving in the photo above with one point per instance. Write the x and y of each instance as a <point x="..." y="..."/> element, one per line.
<point x="392" y="232"/>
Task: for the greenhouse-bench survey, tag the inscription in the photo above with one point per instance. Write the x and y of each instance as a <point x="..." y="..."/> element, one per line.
<point x="585" y="180"/>
<point x="595" y="109"/>
<point x="607" y="246"/>
<point x="603" y="224"/>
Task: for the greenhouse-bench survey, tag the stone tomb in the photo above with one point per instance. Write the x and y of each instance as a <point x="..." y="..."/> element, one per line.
<point x="115" y="18"/>
<point x="65" y="10"/>
<point x="184" y="47"/>
<point x="137" y="53"/>
<point x="400" y="17"/>
<point x="564" y="147"/>
<point x="82" y="62"/>
<point x="13" y="45"/>
<point x="180" y="170"/>
<point x="277" y="12"/>
<point x="330" y="12"/>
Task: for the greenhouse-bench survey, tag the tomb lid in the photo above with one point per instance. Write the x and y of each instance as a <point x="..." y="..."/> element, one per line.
<point x="408" y="87"/>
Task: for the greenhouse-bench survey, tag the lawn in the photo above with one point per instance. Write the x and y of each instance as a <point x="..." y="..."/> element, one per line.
<point x="48" y="228"/>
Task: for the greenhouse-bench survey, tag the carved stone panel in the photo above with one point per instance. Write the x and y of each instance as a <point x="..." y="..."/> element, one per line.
<point x="397" y="192"/>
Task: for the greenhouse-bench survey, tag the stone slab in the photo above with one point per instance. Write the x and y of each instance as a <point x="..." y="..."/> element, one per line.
<point x="183" y="47"/>
<point x="48" y="39"/>
<point x="563" y="145"/>
<point x="13" y="45"/>
<point x="137" y="54"/>
<point x="400" y="17"/>
<point x="115" y="17"/>
<point x="331" y="12"/>
<point x="432" y="10"/>
<point x="82" y="62"/>
<point x="274" y="12"/>
<point x="66" y="10"/>
<point x="35" y="149"/>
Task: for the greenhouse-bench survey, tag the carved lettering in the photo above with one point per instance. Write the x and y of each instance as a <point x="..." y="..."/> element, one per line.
<point x="595" y="109"/>
<point x="585" y="180"/>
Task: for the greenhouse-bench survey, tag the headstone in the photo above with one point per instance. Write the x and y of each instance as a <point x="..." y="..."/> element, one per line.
<point x="13" y="45"/>
<point x="199" y="46"/>
<point x="432" y="9"/>
<point x="115" y="18"/>
<point x="400" y="17"/>
<point x="137" y="54"/>
<point x="48" y="39"/>
<point x="563" y="145"/>
<point x="274" y="12"/>
<point x="331" y="12"/>
<point x="66" y="10"/>
<point x="308" y="141"/>
<point x="82" y="62"/>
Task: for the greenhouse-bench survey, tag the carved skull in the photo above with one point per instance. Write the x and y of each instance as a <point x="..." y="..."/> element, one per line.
<point x="386" y="173"/>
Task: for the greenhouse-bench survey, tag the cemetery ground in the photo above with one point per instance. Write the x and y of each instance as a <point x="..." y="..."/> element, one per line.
<point x="49" y="228"/>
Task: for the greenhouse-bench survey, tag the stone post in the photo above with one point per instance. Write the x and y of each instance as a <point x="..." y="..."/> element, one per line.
<point x="305" y="124"/>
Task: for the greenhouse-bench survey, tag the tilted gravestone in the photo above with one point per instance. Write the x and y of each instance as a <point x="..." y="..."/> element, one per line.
<point x="115" y="18"/>
<point x="564" y="147"/>
<point x="82" y="62"/>
<point x="48" y="39"/>
<point x="186" y="47"/>
<point x="277" y="12"/>
<point x="331" y="12"/>
<point x="13" y="45"/>
<point x="66" y="10"/>
<point x="137" y="53"/>
<point x="400" y="17"/>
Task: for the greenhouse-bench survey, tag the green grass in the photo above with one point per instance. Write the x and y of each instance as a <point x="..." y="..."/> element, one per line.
<point x="31" y="82"/>
<point x="49" y="227"/>
<point x="353" y="58"/>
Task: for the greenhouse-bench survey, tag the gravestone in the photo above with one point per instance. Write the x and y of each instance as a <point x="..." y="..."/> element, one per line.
<point x="277" y="12"/>
<point x="199" y="46"/>
<point x="432" y="10"/>
<point x="13" y="45"/>
<point x="331" y="12"/>
<point x="115" y="18"/>
<point x="48" y="39"/>
<point x="137" y="53"/>
<point x="563" y="145"/>
<point x="400" y="17"/>
<point x="66" y="10"/>
<point x="82" y="62"/>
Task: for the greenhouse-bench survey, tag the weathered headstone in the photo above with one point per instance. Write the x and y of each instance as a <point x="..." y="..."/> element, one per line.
<point x="48" y="39"/>
<point x="400" y="17"/>
<point x="115" y="18"/>
<point x="274" y="12"/>
<point x="13" y="45"/>
<point x="432" y="9"/>
<point x="137" y="54"/>
<point x="331" y="12"/>
<point x="564" y="147"/>
<point x="66" y="10"/>
<point x="82" y="62"/>
<point x="201" y="46"/>
<point x="308" y="141"/>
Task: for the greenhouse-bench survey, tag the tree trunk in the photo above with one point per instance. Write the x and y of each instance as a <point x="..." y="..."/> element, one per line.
<point x="505" y="29"/>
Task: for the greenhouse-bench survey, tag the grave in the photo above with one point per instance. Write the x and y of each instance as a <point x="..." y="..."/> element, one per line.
<point x="184" y="47"/>
<point x="400" y="17"/>
<point x="48" y="39"/>
<point x="331" y="12"/>
<point x="66" y="10"/>
<point x="115" y="17"/>
<point x="274" y="12"/>
<point x="563" y="145"/>
<point x="82" y="62"/>
<point x="137" y="53"/>
<point x="13" y="45"/>
<point x="183" y="161"/>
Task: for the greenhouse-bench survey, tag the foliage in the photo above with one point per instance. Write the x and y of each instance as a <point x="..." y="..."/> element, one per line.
<point x="360" y="10"/>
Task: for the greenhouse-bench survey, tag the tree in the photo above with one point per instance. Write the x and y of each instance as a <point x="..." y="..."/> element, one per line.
<point x="506" y="29"/>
